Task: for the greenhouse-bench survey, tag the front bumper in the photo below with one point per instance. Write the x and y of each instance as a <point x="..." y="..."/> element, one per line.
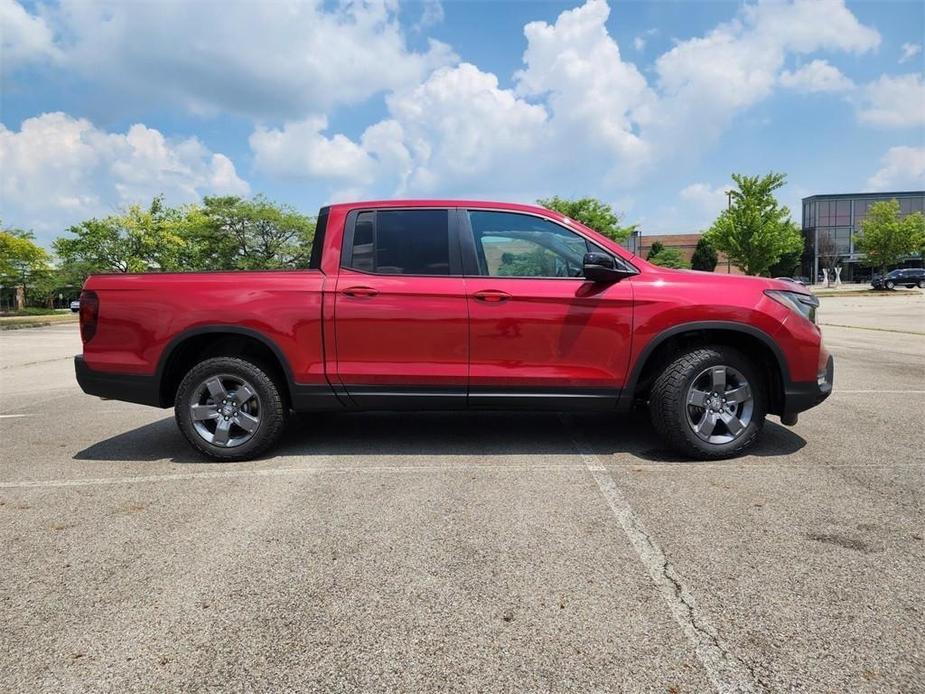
<point x="801" y="396"/>
<point x="112" y="386"/>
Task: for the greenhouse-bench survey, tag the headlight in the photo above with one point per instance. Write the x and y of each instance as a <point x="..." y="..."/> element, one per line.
<point x="804" y="304"/>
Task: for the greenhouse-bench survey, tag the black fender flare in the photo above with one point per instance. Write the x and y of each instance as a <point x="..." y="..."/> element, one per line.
<point x="628" y="392"/>
<point x="185" y="335"/>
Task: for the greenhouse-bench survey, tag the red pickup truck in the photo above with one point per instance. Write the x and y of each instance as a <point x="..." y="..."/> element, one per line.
<point x="437" y="304"/>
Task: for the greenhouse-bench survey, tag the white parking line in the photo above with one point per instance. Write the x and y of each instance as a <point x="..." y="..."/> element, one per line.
<point x="904" y="392"/>
<point x="728" y="673"/>
<point x="275" y="472"/>
<point x="14" y="416"/>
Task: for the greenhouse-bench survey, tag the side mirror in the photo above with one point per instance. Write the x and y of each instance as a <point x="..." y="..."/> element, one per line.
<point x="600" y="267"/>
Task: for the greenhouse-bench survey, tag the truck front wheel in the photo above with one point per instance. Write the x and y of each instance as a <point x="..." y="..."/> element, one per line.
<point x="709" y="403"/>
<point x="230" y="409"/>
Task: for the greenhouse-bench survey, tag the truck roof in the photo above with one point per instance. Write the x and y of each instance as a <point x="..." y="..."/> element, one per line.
<point x="483" y="204"/>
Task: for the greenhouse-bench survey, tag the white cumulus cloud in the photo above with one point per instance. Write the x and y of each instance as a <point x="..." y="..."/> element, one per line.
<point x="894" y="101"/>
<point x="704" y="196"/>
<point x="707" y="80"/>
<point x="908" y="51"/>
<point x="580" y="115"/>
<point x="450" y="130"/>
<point x="901" y="167"/>
<point x="24" y="37"/>
<point x="59" y="170"/>
<point x="817" y="76"/>
<point x="283" y="58"/>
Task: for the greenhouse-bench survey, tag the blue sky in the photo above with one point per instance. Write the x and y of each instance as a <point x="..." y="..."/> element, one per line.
<point x="648" y="106"/>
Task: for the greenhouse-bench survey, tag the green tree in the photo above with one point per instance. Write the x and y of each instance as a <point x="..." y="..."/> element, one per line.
<point x="704" y="257"/>
<point x="592" y="213"/>
<point x="233" y="233"/>
<point x="756" y="230"/>
<point x="656" y="248"/>
<point x="138" y="240"/>
<point x="535" y="263"/>
<point x="22" y="261"/>
<point x="885" y="238"/>
<point x="669" y="257"/>
<point x="787" y="265"/>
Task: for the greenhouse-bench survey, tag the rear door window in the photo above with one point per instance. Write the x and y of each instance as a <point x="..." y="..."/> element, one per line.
<point x="401" y="242"/>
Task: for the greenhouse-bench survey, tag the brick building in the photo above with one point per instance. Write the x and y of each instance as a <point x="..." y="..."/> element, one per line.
<point x="640" y="244"/>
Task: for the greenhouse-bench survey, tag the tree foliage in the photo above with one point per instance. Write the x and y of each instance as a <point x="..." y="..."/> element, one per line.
<point x="756" y="230"/>
<point x="885" y="238"/>
<point x="23" y="263"/>
<point x="233" y="233"/>
<point x="140" y="239"/>
<point x="787" y="265"/>
<point x="592" y="213"/>
<point x="221" y="233"/>
<point x="669" y="257"/>
<point x="656" y="248"/>
<point x="704" y="257"/>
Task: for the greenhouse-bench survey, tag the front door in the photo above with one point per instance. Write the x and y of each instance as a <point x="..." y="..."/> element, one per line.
<point x="540" y="334"/>
<point x="400" y="313"/>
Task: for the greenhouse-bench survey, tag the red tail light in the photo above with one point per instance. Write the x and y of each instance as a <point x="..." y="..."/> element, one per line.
<point x="89" y="315"/>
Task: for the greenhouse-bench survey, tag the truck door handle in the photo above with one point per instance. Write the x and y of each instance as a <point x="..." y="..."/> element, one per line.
<point x="361" y="291"/>
<point x="491" y="296"/>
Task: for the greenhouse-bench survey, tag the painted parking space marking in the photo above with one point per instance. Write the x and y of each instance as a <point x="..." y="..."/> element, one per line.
<point x="886" y="392"/>
<point x="277" y="472"/>
<point x="728" y="673"/>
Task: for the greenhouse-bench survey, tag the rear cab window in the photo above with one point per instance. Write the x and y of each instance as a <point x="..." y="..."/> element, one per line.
<point x="400" y="242"/>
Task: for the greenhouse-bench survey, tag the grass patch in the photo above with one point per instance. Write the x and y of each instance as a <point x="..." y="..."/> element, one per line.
<point x="33" y="311"/>
<point x="16" y="322"/>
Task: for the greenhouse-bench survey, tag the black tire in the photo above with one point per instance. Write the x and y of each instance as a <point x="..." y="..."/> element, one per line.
<point x="272" y="408"/>
<point x="921" y="284"/>
<point x="668" y="408"/>
<point x="890" y="284"/>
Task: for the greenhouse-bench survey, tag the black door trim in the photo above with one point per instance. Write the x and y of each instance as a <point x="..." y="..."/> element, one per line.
<point x="368" y="397"/>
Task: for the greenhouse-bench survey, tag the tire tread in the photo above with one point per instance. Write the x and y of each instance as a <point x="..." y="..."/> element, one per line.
<point x="668" y="398"/>
<point x="273" y="415"/>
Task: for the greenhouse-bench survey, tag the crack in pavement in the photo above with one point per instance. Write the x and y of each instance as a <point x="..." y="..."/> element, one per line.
<point x="729" y="673"/>
<point x="696" y="622"/>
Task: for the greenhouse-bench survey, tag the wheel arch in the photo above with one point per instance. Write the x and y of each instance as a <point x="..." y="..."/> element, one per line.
<point x="672" y="341"/>
<point x="196" y="344"/>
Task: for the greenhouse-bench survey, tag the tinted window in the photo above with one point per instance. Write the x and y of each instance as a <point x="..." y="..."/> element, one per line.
<point x="401" y="242"/>
<point x="843" y="212"/>
<point x="517" y="245"/>
<point x="318" y="240"/>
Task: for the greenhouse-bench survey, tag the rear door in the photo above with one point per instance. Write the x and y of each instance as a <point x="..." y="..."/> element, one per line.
<point x="540" y="334"/>
<point x="400" y="312"/>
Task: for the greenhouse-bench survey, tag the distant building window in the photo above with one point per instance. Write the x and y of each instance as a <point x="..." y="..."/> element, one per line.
<point x="910" y="205"/>
<point x="842" y="212"/>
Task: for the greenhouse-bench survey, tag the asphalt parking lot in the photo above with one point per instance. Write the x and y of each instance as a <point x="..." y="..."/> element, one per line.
<point x="468" y="552"/>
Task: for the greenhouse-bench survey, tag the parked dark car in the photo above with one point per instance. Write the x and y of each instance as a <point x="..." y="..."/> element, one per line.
<point x="906" y="277"/>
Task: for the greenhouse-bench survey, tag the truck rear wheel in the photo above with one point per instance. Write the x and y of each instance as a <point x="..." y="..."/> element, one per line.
<point x="230" y="409"/>
<point x="709" y="403"/>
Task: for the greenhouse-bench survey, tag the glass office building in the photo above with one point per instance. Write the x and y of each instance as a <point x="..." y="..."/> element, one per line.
<point x="839" y="217"/>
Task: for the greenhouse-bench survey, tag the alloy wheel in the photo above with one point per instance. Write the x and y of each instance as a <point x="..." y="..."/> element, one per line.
<point x="719" y="404"/>
<point x="225" y="411"/>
